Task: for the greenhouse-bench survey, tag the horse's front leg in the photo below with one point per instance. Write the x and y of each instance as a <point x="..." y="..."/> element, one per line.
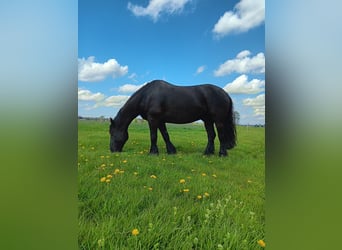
<point x="153" y="134"/>
<point x="169" y="146"/>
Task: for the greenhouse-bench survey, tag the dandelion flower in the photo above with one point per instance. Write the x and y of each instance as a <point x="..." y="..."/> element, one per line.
<point x="109" y="176"/>
<point x="135" y="232"/>
<point x="124" y="161"/>
<point x="214" y="175"/>
<point x="101" y="242"/>
<point x="153" y="176"/>
<point x="116" y="171"/>
<point x="103" y="179"/>
<point x="249" y="181"/>
<point x="206" y="194"/>
<point x="261" y="243"/>
<point x="185" y="190"/>
<point x="204" y="174"/>
<point x="107" y="180"/>
<point x="135" y="173"/>
<point x="103" y="165"/>
<point x="199" y="197"/>
<point x="182" y="181"/>
<point x="121" y="171"/>
<point x="150" y="188"/>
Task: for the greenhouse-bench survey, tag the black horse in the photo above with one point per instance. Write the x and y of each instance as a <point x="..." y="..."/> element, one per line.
<point x="159" y="102"/>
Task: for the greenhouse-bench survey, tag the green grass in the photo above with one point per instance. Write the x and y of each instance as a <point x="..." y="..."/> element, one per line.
<point x="223" y="208"/>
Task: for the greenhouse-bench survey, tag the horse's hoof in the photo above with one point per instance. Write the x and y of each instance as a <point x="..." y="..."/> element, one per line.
<point x="208" y="152"/>
<point x="223" y="154"/>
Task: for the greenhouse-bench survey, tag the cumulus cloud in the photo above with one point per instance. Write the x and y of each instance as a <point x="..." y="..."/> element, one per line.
<point x="91" y="71"/>
<point x="113" y="101"/>
<point x="129" y="88"/>
<point x="200" y="69"/>
<point x="87" y="95"/>
<point x="247" y="14"/>
<point x="257" y="103"/>
<point x="242" y="64"/>
<point x="241" y="85"/>
<point x="156" y="7"/>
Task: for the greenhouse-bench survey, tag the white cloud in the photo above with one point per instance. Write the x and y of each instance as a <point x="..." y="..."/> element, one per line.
<point x="200" y="69"/>
<point x="247" y="14"/>
<point x="156" y="7"/>
<point x="113" y="101"/>
<point x="128" y="88"/>
<point x="257" y="103"/>
<point x="241" y="85"/>
<point x="242" y="64"/>
<point x="132" y="76"/>
<point x="87" y="95"/>
<point x="90" y="71"/>
<point x="243" y="54"/>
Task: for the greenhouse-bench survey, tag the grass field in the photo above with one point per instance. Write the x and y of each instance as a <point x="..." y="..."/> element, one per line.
<point x="132" y="200"/>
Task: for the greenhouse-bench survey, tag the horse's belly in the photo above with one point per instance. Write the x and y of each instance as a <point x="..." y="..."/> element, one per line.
<point x="181" y="117"/>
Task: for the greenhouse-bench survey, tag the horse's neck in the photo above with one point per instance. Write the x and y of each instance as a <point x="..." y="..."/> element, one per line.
<point x="126" y="116"/>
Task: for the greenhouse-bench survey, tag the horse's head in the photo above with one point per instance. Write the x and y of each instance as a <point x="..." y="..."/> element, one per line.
<point x="118" y="137"/>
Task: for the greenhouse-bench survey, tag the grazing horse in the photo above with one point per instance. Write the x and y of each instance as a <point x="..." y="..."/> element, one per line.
<point x="159" y="102"/>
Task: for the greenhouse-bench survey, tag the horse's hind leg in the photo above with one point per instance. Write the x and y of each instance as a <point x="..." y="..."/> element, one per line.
<point x="209" y="126"/>
<point x="169" y="146"/>
<point x="222" y="137"/>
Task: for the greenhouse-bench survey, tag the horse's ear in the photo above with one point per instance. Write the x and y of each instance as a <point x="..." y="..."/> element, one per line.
<point x="111" y="120"/>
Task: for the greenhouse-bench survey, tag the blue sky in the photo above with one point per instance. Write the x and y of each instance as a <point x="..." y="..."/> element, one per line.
<point x="124" y="44"/>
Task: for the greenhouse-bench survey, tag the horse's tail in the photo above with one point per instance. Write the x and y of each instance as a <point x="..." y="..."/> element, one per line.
<point x="230" y="127"/>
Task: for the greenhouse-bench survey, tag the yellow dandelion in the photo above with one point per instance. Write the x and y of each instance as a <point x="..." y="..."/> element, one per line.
<point x="107" y="180"/>
<point x="204" y="174"/>
<point x="124" y="161"/>
<point x="182" y="181"/>
<point x="102" y="156"/>
<point x="206" y="194"/>
<point x="116" y="171"/>
<point x="249" y="181"/>
<point x="135" y="173"/>
<point x="261" y="243"/>
<point x="103" y="179"/>
<point x="185" y="190"/>
<point x="153" y="176"/>
<point x="150" y="188"/>
<point x="121" y="171"/>
<point x="103" y="165"/>
<point x="214" y="175"/>
<point x="109" y="176"/>
<point x="111" y="164"/>
<point x="199" y="197"/>
<point x="135" y="232"/>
